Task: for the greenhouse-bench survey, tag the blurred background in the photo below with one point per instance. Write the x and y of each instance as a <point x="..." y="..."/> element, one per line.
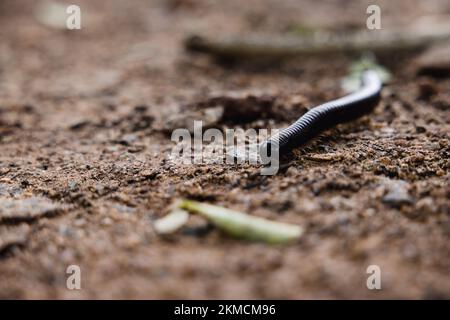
<point x="85" y="121"/>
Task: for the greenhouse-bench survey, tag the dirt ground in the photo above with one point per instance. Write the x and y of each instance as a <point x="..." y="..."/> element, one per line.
<point x="84" y="168"/>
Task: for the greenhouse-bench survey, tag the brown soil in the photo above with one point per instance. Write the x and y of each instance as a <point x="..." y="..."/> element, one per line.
<point x="84" y="168"/>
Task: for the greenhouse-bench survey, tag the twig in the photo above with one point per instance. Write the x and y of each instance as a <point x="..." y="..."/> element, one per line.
<point x="377" y="41"/>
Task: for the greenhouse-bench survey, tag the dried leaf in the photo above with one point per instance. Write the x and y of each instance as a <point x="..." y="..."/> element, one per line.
<point x="244" y="226"/>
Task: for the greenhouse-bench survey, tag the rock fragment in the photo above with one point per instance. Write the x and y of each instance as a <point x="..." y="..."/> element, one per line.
<point x="435" y="61"/>
<point x="13" y="236"/>
<point x="27" y="209"/>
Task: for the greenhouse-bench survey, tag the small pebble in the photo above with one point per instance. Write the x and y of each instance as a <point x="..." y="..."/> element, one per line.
<point x="397" y="193"/>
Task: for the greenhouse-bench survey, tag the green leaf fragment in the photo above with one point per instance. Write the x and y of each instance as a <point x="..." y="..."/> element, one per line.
<point x="173" y="221"/>
<point x="352" y="81"/>
<point x="244" y="226"/>
<point x="303" y="30"/>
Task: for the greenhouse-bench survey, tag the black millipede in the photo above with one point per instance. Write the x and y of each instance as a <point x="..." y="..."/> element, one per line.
<point x="327" y="115"/>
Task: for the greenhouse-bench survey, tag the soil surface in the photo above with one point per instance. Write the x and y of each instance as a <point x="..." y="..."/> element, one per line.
<point x="85" y="122"/>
